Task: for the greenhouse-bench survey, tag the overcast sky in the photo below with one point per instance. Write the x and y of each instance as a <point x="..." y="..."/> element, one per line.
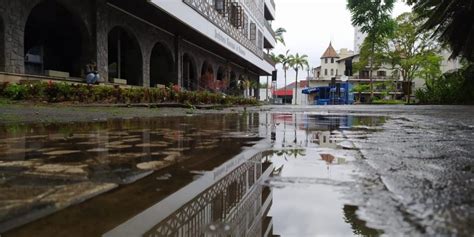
<point x="312" y="24"/>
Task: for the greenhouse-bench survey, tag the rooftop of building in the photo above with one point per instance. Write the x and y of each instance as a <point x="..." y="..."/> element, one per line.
<point x="330" y="52"/>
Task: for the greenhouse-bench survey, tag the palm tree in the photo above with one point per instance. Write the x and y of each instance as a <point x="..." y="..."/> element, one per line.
<point x="277" y="60"/>
<point x="452" y="21"/>
<point x="297" y="62"/>
<point x="279" y="35"/>
<point x="285" y="61"/>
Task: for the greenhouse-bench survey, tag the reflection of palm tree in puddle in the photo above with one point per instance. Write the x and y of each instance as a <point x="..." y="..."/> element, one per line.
<point x="359" y="226"/>
<point x="296" y="152"/>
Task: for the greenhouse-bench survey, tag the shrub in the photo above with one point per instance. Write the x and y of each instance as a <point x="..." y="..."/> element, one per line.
<point x="59" y="92"/>
<point x="16" y="91"/>
<point x="36" y="90"/>
<point x="451" y="88"/>
<point x="3" y="86"/>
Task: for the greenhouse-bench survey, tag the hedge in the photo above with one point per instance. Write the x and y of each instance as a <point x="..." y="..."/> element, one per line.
<point x="65" y="92"/>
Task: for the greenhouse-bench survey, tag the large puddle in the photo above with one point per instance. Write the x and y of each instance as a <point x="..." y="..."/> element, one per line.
<point x="212" y="175"/>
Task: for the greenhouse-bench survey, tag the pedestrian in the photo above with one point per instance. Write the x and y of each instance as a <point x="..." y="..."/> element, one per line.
<point x="92" y="75"/>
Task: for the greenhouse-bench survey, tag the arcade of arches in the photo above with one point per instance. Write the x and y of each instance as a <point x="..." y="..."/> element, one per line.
<point x="58" y="38"/>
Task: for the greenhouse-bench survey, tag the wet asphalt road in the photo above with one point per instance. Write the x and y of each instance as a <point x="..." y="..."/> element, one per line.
<point x="415" y="170"/>
<point x="419" y="168"/>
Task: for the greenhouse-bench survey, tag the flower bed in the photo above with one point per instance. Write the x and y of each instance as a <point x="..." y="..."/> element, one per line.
<point x="64" y="92"/>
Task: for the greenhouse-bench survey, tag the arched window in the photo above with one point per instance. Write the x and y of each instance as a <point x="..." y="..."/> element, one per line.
<point x="125" y="56"/>
<point x="161" y="66"/>
<point x="62" y="46"/>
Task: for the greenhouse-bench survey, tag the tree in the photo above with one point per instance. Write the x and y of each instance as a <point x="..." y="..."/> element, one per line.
<point x="285" y="61"/>
<point x="277" y="60"/>
<point x="297" y="62"/>
<point x="452" y="21"/>
<point x="359" y="89"/>
<point x="279" y="35"/>
<point x="373" y="17"/>
<point x="413" y="54"/>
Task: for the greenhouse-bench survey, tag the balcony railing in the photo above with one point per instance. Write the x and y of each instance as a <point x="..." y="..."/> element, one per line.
<point x="366" y="77"/>
<point x="207" y="11"/>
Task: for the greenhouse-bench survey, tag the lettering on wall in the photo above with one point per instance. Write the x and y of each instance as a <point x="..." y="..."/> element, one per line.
<point x="226" y="40"/>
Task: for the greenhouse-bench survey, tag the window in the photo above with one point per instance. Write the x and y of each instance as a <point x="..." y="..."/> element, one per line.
<point x="332" y="72"/>
<point x="326" y="60"/>
<point x="381" y="73"/>
<point x="220" y="6"/>
<point x="253" y="33"/>
<point x="325" y="72"/>
<point x="337" y="72"/>
<point x="236" y="15"/>
<point x="260" y="39"/>
<point x="332" y="60"/>
<point x="245" y="27"/>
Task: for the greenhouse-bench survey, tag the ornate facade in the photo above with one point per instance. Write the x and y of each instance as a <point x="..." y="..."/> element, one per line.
<point x="144" y="43"/>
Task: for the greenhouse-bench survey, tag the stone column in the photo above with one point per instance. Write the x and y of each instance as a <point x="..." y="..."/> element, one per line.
<point x="146" y="67"/>
<point x="100" y="39"/>
<point x="15" y="15"/>
<point x="178" y="61"/>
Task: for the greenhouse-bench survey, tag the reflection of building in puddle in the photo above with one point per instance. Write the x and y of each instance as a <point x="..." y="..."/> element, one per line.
<point x="233" y="203"/>
<point x="324" y="139"/>
<point x="326" y="122"/>
<point x="332" y="160"/>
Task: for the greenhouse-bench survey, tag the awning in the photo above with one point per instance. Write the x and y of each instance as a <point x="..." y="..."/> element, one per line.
<point x="310" y="90"/>
<point x="284" y="92"/>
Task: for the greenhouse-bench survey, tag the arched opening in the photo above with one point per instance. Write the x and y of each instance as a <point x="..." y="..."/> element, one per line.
<point x="222" y="83"/>
<point x="2" y="46"/>
<point x="56" y="41"/>
<point x="125" y="57"/>
<point x="189" y="73"/>
<point x="234" y="85"/>
<point x="221" y="74"/>
<point x="161" y="66"/>
<point x="207" y="77"/>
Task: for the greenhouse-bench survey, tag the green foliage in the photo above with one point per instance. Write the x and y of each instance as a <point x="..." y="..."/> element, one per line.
<point x="297" y="62"/>
<point x="451" y="21"/>
<point x="279" y="35"/>
<point x="360" y="88"/>
<point x="388" y="102"/>
<point x="451" y="88"/>
<point x="15" y="91"/>
<point x="374" y="18"/>
<point x="64" y="92"/>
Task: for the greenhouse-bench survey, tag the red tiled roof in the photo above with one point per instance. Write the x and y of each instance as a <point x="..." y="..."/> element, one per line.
<point x="330" y="52"/>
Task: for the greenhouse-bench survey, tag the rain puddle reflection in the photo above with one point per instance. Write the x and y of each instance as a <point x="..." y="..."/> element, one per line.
<point x="315" y="165"/>
<point x="45" y="168"/>
<point x="215" y="175"/>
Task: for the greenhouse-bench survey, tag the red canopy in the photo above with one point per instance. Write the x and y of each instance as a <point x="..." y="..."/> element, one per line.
<point x="283" y="92"/>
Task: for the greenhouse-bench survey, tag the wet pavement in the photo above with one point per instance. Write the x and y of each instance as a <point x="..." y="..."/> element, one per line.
<point x="288" y="171"/>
